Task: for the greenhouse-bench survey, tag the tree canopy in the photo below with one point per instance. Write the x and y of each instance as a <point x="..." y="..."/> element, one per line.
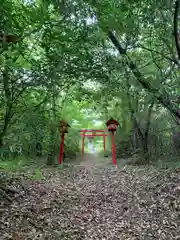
<point x="110" y="58"/>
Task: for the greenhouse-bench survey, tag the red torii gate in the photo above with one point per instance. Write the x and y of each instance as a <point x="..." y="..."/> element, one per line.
<point x="92" y="135"/>
<point x="111" y="124"/>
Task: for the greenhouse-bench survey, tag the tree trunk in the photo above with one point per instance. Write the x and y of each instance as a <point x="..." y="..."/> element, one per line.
<point x="51" y="152"/>
<point x="39" y="149"/>
<point x="53" y="135"/>
<point x="5" y="127"/>
<point x="8" y="105"/>
<point x="136" y="130"/>
<point x="146" y="132"/>
<point x="1" y="143"/>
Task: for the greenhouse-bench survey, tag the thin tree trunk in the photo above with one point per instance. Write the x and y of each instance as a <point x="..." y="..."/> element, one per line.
<point x="51" y="152"/>
<point x="8" y="106"/>
<point x="147" y="127"/>
<point x="53" y="134"/>
<point x="136" y="131"/>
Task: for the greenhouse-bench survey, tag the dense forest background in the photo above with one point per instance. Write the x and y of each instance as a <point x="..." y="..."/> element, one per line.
<point x="85" y="61"/>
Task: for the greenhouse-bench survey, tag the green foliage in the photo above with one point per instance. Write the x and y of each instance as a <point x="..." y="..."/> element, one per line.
<point x="11" y="165"/>
<point x="64" y="66"/>
<point x="37" y="175"/>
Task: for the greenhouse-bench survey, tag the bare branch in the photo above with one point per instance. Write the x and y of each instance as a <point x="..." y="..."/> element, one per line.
<point x="159" y="53"/>
<point x="160" y="95"/>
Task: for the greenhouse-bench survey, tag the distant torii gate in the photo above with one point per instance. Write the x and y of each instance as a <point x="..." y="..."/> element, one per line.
<point x="92" y="135"/>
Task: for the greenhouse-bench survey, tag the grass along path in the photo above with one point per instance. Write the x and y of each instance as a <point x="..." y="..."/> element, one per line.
<point x="106" y="203"/>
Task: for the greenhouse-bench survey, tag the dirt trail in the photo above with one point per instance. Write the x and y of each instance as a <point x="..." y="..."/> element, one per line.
<point x="93" y="161"/>
<point x="134" y="203"/>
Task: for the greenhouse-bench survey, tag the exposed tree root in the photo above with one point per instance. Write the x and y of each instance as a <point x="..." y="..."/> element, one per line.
<point x="9" y="189"/>
<point x="5" y="195"/>
<point x="4" y="190"/>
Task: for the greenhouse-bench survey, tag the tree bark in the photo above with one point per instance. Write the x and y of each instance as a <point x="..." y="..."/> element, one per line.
<point x="8" y="106"/>
<point x="146" y="132"/>
<point x="136" y="130"/>
<point x="176" y="32"/>
<point x="51" y="152"/>
<point x="53" y="134"/>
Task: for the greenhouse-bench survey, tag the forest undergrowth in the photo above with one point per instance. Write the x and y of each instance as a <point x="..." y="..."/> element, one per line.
<point x="91" y="201"/>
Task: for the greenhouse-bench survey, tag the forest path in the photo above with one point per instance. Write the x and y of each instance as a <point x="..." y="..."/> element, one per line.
<point x="93" y="161"/>
<point x="95" y="200"/>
